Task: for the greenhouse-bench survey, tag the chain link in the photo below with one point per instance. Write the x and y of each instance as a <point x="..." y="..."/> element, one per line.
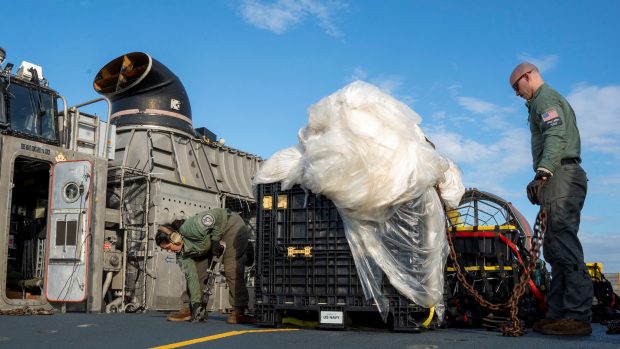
<point x="514" y="328"/>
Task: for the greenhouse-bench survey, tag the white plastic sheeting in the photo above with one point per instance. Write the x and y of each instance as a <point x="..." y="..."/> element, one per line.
<point x="364" y="150"/>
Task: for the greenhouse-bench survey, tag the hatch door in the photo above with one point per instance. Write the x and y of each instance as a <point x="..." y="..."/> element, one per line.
<point x="68" y="231"/>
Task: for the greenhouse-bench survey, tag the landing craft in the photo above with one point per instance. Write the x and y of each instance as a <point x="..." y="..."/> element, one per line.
<point x="84" y="196"/>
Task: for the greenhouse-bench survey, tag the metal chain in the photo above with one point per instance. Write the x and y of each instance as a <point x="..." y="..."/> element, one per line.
<point x="514" y="327"/>
<point x="469" y="288"/>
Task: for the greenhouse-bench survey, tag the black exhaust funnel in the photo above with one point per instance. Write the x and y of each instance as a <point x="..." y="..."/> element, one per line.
<point x="144" y="92"/>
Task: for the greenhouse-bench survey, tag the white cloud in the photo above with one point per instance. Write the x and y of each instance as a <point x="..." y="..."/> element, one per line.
<point x="493" y="152"/>
<point x="479" y="106"/>
<point x="544" y="63"/>
<point x="602" y="248"/>
<point x="476" y="105"/>
<point x="492" y="117"/>
<point x="611" y="180"/>
<point x="595" y="219"/>
<point x="282" y="14"/>
<point x="606" y="184"/>
<point x="388" y="84"/>
<point x="455" y="88"/>
<point x="491" y="161"/>
<point x="597" y="109"/>
<point x="455" y="147"/>
<point x="359" y="73"/>
<point x="440" y="115"/>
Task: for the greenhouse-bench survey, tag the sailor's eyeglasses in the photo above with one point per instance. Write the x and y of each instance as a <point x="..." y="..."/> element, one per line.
<point x="515" y="86"/>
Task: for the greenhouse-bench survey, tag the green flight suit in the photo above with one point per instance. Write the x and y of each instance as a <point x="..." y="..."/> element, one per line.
<point x="554" y="129"/>
<point x="198" y="232"/>
<point x="556" y="147"/>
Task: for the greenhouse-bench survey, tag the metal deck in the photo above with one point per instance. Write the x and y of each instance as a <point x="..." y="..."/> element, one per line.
<point x="151" y="330"/>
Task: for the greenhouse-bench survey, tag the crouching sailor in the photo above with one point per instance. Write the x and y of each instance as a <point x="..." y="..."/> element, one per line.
<point x="199" y="236"/>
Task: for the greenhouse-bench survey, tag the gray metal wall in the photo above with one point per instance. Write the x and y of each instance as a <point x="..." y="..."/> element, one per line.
<point x="13" y="147"/>
<point x="177" y="158"/>
<point x="171" y="176"/>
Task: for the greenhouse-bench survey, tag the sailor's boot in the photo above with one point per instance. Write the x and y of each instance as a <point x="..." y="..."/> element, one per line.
<point x="182" y="315"/>
<point x="538" y="325"/>
<point x="568" y="327"/>
<point x="238" y="316"/>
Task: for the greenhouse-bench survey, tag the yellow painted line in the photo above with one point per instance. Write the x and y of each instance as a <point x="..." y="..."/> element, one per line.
<point x="219" y="336"/>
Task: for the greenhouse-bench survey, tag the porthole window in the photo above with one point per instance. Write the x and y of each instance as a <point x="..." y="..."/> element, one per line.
<point x="71" y="192"/>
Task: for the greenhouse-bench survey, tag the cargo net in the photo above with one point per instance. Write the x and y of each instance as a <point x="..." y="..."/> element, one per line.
<point x="491" y="241"/>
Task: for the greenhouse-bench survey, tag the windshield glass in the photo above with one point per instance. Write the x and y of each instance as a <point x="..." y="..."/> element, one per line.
<point x="32" y="112"/>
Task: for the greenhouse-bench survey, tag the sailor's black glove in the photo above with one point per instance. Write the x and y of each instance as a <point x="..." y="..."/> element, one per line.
<point x="216" y="248"/>
<point x="199" y="312"/>
<point x="533" y="189"/>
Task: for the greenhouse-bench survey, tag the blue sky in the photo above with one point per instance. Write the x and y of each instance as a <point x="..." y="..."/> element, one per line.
<point x="252" y="68"/>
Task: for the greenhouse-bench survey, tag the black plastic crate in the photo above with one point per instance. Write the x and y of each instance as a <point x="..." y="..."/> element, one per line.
<point x="305" y="266"/>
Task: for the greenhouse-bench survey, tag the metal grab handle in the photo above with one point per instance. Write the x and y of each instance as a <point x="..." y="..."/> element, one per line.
<point x="306" y="252"/>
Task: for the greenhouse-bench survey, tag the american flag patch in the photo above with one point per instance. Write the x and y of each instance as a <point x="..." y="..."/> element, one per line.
<point x="550" y="115"/>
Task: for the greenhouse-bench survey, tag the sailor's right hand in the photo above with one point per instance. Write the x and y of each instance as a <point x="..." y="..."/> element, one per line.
<point x="535" y="186"/>
<point x="216" y="248"/>
<point x="199" y="312"/>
